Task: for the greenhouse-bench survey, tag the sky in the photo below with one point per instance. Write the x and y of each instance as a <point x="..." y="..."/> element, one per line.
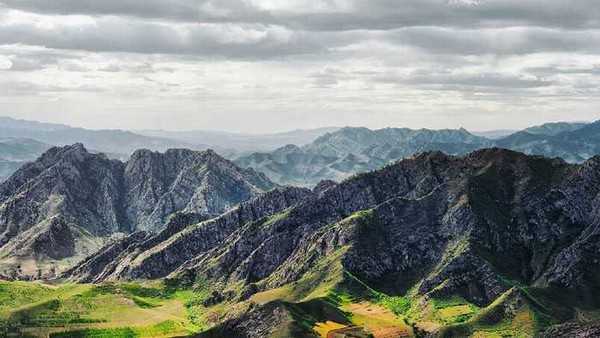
<point x="272" y="65"/>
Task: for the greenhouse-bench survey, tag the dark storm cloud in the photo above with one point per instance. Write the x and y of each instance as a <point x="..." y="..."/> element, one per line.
<point x="238" y="29"/>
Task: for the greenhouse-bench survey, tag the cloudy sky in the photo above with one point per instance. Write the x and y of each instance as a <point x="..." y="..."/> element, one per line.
<point x="271" y="65"/>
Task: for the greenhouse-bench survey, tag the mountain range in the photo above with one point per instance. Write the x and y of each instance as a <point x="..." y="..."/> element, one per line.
<point x="23" y="141"/>
<point x="348" y="151"/>
<point x="495" y="242"/>
<point x="117" y="143"/>
<point x="70" y="202"/>
<point x="305" y="157"/>
<point x="239" y="143"/>
<point x="402" y="233"/>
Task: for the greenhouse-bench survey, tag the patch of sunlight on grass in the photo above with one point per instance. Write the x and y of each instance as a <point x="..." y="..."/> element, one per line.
<point x="323" y="328"/>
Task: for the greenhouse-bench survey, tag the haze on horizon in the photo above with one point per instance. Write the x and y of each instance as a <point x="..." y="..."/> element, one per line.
<point x="260" y="66"/>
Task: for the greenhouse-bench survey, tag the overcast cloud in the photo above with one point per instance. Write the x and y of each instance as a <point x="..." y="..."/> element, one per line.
<point x="267" y="65"/>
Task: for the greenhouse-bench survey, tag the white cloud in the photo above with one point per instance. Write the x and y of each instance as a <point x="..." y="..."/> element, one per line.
<point x="5" y="63"/>
<point x="264" y="65"/>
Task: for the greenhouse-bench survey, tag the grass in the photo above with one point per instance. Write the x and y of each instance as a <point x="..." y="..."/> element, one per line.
<point x="453" y="310"/>
<point x="121" y="310"/>
<point x="398" y="305"/>
<point x="323" y="328"/>
<point x="325" y="299"/>
<point x="162" y="329"/>
<point x="316" y="283"/>
<point x="457" y="313"/>
<point x="521" y="320"/>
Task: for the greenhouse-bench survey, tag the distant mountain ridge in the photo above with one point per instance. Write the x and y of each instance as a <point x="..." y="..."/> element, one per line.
<point x="338" y="155"/>
<point x="555" y="128"/>
<point x="311" y="156"/>
<point x="348" y="151"/>
<point x="120" y="144"/>
<point x="69" y="201"/>
<point x="15" y="152"/>
<point x="109" y="141"/>
<point x="239" y="142"/>
<point x="574" y="143"/>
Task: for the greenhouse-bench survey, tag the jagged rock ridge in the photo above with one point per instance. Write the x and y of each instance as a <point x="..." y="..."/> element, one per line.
<point x="88" y="198"/>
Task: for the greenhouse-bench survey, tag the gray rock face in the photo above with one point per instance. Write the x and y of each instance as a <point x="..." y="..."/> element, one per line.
<point x="573" y="330"/>
<point x="95" y="197"/>
<point x="183" y="180"/>
<point x="81" y="187"/>
<point x="155" y="256"/>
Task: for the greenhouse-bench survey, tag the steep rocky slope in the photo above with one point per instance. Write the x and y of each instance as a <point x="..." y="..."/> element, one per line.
<point x="69" y="202"/>
<point x="430" y="229"/>
<point x="142" y="255"/>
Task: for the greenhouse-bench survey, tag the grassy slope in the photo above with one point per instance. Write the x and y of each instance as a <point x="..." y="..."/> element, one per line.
<point x="324" y="300"/>
<point x="111" y="309"/>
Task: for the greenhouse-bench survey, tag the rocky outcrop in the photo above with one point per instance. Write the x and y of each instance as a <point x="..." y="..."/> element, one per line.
<point x="573" y="330"/>
<point x="159" y="184"/>
<point x="95" y="197"/>
<point x="143" y="256"/>
<point x="275" y="319"/>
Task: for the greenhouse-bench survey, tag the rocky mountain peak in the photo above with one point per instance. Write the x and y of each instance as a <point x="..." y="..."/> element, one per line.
<point x="97" y="197"/>
<point x="75" y="152"/>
